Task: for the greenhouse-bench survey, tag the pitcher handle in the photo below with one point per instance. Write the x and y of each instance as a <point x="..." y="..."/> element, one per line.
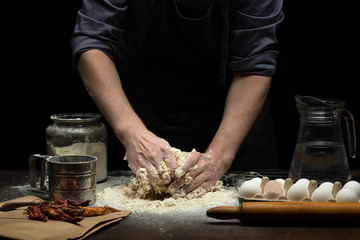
<point x="350" y="125"/>
<point x="43" y="171"/>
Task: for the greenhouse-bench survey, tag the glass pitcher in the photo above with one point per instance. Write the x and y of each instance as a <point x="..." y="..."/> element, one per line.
<point x="320" y="152"/>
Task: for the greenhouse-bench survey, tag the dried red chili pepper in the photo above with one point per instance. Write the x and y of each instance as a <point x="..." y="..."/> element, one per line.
<point x="97" y="211"/>
<point x="36" y="214"/>
<point x="58" y="214"/>
<point x="65" y="210"/>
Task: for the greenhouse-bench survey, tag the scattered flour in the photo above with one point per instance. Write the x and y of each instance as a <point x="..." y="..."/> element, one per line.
<point x="140" y="195"/>
<point x="124" y="198"/>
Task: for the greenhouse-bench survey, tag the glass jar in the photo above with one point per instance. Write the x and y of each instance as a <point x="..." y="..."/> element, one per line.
<point x="79" y="133"/>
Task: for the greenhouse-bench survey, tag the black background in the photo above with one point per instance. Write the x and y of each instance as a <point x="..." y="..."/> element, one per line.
<point x="318" y="57"/>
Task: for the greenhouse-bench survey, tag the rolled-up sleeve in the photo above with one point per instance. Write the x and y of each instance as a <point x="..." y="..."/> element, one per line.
<point x="252" y="46"/>
<point x="99" y="26"/>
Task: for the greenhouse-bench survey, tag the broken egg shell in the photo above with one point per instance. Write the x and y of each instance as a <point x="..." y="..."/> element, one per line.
<point x="273" y="190"/>
<point x="280" y="180"/>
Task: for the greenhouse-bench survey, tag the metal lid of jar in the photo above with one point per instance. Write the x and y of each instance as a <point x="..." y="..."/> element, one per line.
<point x="75" y="117"/>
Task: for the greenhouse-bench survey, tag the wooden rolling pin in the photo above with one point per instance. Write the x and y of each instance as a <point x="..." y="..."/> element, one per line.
<point x="290" y="212"/>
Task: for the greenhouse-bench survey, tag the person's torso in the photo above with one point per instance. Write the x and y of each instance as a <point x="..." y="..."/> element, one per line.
<point x="174" y="77"/>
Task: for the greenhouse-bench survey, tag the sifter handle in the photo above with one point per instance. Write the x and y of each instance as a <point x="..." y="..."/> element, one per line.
<point x="43" y="171"/>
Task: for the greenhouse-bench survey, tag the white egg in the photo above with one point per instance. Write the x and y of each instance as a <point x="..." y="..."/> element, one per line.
<point x="303" y="181"/>
<point x="280" y="180"/>
<point x="256" y="180"/>
<point x="298" y="192"/>
<point x="327" y="185"/>
<point x="321" y="195"/>
<point x="354" y="186"/>
<point x="249" y="189"/>
<point x="346" y="195"/>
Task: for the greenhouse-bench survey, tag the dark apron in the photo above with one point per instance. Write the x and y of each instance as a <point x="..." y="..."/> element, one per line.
<point x="173" y="85"/>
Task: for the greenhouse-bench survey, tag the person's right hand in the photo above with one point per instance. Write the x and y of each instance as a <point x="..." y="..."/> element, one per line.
<point x="102" y="81"/>
<point x="146" y="150"/>
<point x="203" y="168"/>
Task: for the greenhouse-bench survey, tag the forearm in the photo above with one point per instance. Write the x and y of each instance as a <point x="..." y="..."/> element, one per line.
<point x="103" y="84"/>
<point x="245" y="99"/>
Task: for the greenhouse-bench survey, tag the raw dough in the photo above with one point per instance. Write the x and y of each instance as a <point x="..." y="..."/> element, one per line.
<point x="144" y="188"/>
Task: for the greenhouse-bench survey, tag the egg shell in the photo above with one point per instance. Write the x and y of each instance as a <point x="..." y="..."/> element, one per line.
<point x="256" y="180"/>
<point x="327" y="185"/>
<point x="298" y="192"/>
<point x="346" y="195"/>
<point x="249" y="189"/>
<point x="354" y="186"/>
<point x="280" y="180"/>
<point x="321" y="195"/>
<point x="303" y="181"/>
<point x="273" y="190"/>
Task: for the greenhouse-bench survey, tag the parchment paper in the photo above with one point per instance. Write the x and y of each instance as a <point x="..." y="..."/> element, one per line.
<point x="15" y="224"/>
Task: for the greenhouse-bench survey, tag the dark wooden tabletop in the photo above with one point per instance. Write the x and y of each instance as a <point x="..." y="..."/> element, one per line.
<point x="192" y="225"/>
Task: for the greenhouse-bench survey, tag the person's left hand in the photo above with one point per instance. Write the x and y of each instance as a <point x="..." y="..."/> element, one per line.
<point x="205" y="175"/>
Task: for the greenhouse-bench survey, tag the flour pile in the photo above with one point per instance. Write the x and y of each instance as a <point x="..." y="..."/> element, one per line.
<point x="145" y="196"/>
<point x="123" y="197"/>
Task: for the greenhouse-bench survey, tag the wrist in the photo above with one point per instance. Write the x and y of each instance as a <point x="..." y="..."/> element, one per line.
<point x="126" y="129"/>
<point x="221" y="155"/>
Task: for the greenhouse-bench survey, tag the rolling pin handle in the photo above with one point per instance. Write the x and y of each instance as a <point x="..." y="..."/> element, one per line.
<point x="224" y="212"/>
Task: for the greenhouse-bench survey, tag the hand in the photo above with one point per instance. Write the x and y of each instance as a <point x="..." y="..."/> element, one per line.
<point x="205" y="174"/>
<point x="149" y="151"/>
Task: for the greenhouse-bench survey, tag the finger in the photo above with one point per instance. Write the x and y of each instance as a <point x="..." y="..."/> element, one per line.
<point x="175" y="186"/>
<point x="189" y="163"/>
<point x="132" y="167"/>
<point x="152" y="173"/>
<point x="196" y="192"/>
<point x="199" y="191"/>
<point x="197" y="181"/>
<point x="186" y="179"/>
<point x="171" y="163"/>
<point x="181" y="187"/>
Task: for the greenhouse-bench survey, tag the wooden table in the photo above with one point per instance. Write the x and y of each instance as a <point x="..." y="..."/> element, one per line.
<point x="192" y="226"/>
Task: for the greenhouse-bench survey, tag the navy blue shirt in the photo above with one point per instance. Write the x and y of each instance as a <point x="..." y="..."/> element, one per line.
<point x="193" y="8"/>
<point x="174" y="55"/>
<point x="169" y="54"/>
<point x="251" y="35"/>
